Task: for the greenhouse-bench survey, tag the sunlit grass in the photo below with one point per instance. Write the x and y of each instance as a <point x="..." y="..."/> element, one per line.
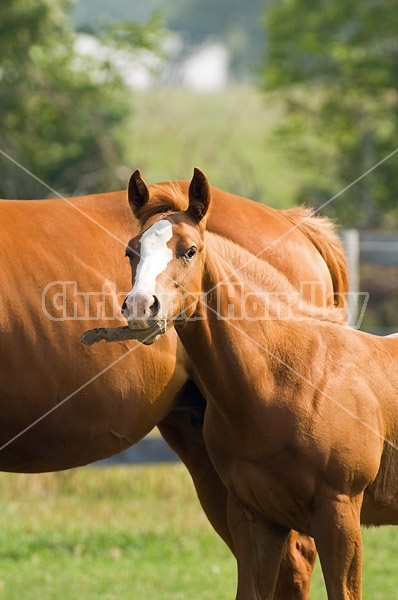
<point x="132" y="532"/>
<point x="226" y="133"/>
<point x="108" y="533"/>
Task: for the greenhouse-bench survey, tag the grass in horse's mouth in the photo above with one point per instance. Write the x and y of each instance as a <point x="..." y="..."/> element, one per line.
<point x="119" y="334"/>
<point x="149" y="335"/>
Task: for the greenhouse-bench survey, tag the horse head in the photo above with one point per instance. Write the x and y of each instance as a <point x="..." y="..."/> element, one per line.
<point x="166" y="258"/>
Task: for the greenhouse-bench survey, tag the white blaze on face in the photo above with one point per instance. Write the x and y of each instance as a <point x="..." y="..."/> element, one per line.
<point x="155" y="256"/>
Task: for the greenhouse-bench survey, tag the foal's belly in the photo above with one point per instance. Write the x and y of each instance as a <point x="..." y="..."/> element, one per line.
<point x="380" y="503"/>
<point x="375" y="513"/>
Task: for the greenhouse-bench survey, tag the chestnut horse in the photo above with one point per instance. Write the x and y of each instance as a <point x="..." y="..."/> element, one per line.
<point x="65" y="405"/>
<point x="302" y="413"/>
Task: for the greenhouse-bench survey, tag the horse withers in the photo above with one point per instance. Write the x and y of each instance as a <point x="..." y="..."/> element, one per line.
<point x="302" y="411"/>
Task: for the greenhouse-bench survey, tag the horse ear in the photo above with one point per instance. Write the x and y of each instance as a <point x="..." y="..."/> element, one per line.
<point x="199" y="195"/>
<point x="138" y="192"/>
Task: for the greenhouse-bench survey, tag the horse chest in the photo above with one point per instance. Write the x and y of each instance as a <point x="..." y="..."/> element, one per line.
<point x="266" y="472"/>
<point x="273" y="493"/>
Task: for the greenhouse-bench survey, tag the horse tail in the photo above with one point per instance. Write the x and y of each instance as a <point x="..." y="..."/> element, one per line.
<point x="321" y="232"/>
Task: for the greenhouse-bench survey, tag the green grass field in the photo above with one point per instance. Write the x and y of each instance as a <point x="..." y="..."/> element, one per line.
<point x="132" y="532"/>
<point x="227" y="133"/>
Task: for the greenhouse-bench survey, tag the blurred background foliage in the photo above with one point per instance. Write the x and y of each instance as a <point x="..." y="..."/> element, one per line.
<point x="61" y="112"/>
<point x="308" y="107"/>
<point x="336" y="66"/>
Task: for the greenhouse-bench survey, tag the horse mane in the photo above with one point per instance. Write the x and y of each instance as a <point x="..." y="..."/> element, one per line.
<point x="264" y="278"/>
<point x="164" y="198"/>
<point x="320" y="231"/>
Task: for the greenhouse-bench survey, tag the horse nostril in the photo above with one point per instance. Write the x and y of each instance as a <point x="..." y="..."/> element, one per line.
<point x="140" y="306"/>
<point x="155" y="306"/>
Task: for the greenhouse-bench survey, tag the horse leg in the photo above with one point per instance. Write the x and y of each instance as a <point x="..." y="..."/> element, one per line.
<point x="336" y="528"/>
<point x="182" y="430"/>
<point x="258" y="549"/>
<point x="299" y="552"/>
<point x="297" y="564"/>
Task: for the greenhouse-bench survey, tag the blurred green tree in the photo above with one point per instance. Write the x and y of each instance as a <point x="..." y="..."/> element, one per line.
<point x="62" y="114"/>
<point x="335" y="65"/>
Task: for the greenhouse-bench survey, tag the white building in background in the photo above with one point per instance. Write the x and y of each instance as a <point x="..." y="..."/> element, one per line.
<point x="205" y="69"/>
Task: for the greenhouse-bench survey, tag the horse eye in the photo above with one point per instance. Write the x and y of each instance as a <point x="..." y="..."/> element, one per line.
<point x="190" y="253"/>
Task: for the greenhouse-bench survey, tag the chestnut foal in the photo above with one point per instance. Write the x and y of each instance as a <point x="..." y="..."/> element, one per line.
<point x="302" y="413"/>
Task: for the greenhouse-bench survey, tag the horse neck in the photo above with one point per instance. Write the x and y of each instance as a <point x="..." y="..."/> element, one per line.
<point x="277" y="296"/>
<point x="220" y="348"/>
<point x="275" y="340"/>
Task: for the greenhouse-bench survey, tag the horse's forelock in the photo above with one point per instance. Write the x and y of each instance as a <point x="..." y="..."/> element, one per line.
<point x="164" y="198"/>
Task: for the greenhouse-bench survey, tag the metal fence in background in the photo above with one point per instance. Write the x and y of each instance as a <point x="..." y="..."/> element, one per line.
<point x="366" y="247"/>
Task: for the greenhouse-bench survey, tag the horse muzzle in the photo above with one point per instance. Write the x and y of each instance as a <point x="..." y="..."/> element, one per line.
<point x="141" y="308"/>
<point x="142" y="313"/>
